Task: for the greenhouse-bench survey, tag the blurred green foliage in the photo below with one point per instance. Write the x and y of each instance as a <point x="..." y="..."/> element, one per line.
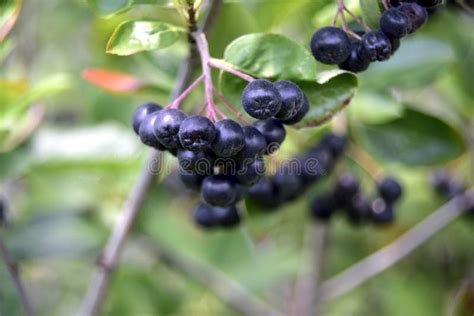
<point x="67" y="180"/>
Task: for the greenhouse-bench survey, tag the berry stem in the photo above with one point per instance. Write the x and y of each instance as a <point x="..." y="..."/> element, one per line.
<point x="385" y="4"/>
<point x="341" y="9"/>
<point x="176" y="103"/>
<point x="221" y="114"/>
<point x="357" y="19"/>
<point x="367" y="163"/>
<point x="203" y="49"/>
<point x="230" y="106"/>
<point x="222" y="65"/>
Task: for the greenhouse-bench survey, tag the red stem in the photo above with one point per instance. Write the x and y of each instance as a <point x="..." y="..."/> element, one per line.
<point x="230" y="106"/>
<point x="175" y="104"/>
<point x="219" y="64"/>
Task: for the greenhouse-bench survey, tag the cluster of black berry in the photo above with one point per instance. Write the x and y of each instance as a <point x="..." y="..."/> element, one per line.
<point x="446" y="185"/>
<point x="347" y="196"/>
<point x="224" y="158"/>
<point x="331" y="45"/>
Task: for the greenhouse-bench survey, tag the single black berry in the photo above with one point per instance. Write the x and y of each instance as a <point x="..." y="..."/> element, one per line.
<point x="201" y="162"/>
<point x="264" y="194"/>
<point x="204" y="216"/>
<point x="226" y="216"/>
<point x="300" y="114"/>
<point x="191" y="180"/>
<point x="416" y="13"/>
<point x="358" y="209"/>
<point x="274" y="133"/>
<point x="250" y="173"/>
<point x="330" y="45"/>
<point x="346" y="188"/>
<point x="141" y="112"/>
<point x="429" y="3"/>
<point x="395" y="44"/>
<point x="318" y="162"/>
<point x="147" y="132"/>
<point x="292" y="99"/>
<point x="390" y="190"/>
<point x="167" y="124"/>
<point x="219" y="190"/>
<point x="375" y="46"/>
<point x="336" y="144"/>
<point x="355" y="62"/>
<point x="255" y="144"/>
<point x="395" y="23"/>
<point x="229" y="138"/>
<point x="381" y="212"/>
<point x="323" y="207"/>
<point x="288" y="182"/>
<point x="197" y="133"/>
<point x="261" y="99"/>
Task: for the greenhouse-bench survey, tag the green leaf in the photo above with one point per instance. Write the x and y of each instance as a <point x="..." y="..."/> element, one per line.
<point x="132" y="37"/>
<point x="271" y="56"/>
<point x="374" y="108"/>
<point x="331" y="93"/>
<point x="416" y="139"/>
<point x="419" y="61"/>
<point x="371" y="12"/>
<point x="109" y="8"/>
<point x="9" y="11"/>
<point x="5" y="49"/>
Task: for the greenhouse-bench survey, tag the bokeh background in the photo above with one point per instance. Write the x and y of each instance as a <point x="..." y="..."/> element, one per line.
<point x="69" y="159"/>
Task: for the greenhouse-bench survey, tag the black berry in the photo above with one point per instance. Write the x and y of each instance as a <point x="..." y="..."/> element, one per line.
<point x="250" y="173"/>
<point x="274" y="133"/>
<point x="288" y="182"/>
<point x="300" y="114"/>
<point x="395" y="23"/>
<point x="358" y="208"/>
<point x="395" y="44"/>
<point x="336" y="144"/>
<point x="191" y="180"/>
<point x="255" y="144"/>
<point x="330" y="45"/>
<point x="226" y="216"/>
<point x="197" y="133"/>
<point x="141" y="112"/>
<point x="429" y="3"/>
<point x="390" y="190"/>
<point x="261" y="99"/>
<point x="381" y="212"/>
<point x="167" y="124"/>
<point x="323" y="207"/>
<point x="292" y="99"/>
<point x="318" y="162"/>
<point x="204" y="216"/>
<point x="229" y="138"/>
<point x="416" y="13"/>
<point x="346" y="188"/>
<point x="355" y="62"/>
<point x="201" y="162"/>
<point x="264" y="194"/>
<point x="219" y="190"/>
<point x="147" y="132"/>
<point x="375" y="46"/>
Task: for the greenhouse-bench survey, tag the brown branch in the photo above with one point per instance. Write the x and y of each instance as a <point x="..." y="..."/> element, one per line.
<point x="228" y="290"/>
<point x="391" y="254"/>
<point x="306" y="298"/>
<point x="100" y="283"/>
<point x="12" y="268"/>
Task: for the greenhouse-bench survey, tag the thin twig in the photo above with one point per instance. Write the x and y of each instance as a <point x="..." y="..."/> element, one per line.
<point x="222" y="65"/>
<point x="397" y="250"/>
<point x="228" y="290"/>
<point x="101" y="280"/>
<point x="307" y="292"/>
<point x="176" y="103"/>
<point x="12" y="268"/>
<point x="230" y="106"/>
<point x="365" y="161"/>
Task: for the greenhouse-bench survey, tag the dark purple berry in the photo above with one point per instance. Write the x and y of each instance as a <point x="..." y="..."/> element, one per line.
<point x="416" y="13"/>
<point x="292" y="99"/>
<point x="346" y="188"/>
<point x="274" y="133"/>
<point x="167" y="124"/>
<point x="381" y="213"/>
<point x="219" y="190"/>
<point x="330" y="45"/>
<point x="263" y="194"/>
<point x="395" y="44"/>
<point x="226" y="216"/>
<point x="336" y="144"/>
<point x="300" y="114"/>
<point x="197" y="133"/>
<point x="375" y="46"/>
<point x="395" y="23"/>
<point x="201" y="162"/>
<point x="147" y="132"/>
<point x="250" y="173"/>
<point x="355" y="62"/>
<point x="255" y="144"/>
<point x="229" y="138"/>
<point x="261" y="99"/>
<point x="323" y="207"/>
<point x="141" y="112"/>
<point x="358" y="208"/>
<point x="191" y="180"/>
<point x="288" y="182"/>
<point x="204" y="216"/>
<point x="318" y="162"/>
<point x="390" y="190"/>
